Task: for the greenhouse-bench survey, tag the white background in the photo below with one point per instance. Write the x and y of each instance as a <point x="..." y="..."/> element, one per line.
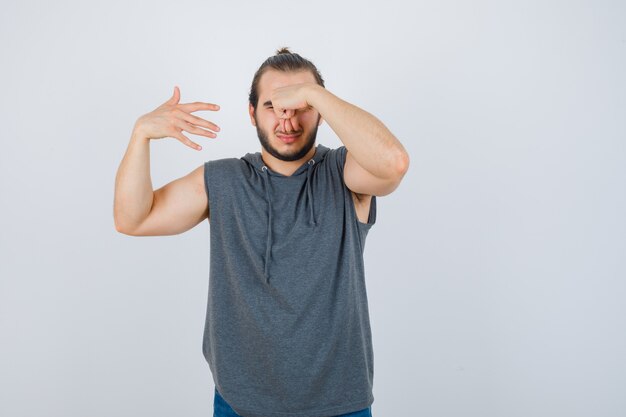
<point x="495" y="272"/>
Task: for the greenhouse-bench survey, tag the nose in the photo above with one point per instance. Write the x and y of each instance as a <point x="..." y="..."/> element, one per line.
<point x="289" y="125"/>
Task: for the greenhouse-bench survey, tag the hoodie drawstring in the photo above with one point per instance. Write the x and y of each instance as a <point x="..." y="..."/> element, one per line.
<point x="268" y="244"/>
<point x="312" y="220"/>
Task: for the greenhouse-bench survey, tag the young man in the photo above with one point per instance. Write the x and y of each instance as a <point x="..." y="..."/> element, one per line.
<point x="287" y="329"/>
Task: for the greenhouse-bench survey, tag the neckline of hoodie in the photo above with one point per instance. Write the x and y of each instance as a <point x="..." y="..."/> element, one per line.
<point x="296" y="173"/>
<point x="317" y="156"/>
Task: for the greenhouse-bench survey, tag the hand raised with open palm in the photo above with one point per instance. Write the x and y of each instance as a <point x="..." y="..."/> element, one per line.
<point x="172" y="117"/>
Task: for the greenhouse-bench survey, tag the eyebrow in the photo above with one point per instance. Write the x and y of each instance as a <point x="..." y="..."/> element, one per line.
<point x="267" y="103"/>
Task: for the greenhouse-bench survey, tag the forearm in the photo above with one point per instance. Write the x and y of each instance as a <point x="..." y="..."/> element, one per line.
<point x="133" y="185"/>
<point x="369" y="141"/>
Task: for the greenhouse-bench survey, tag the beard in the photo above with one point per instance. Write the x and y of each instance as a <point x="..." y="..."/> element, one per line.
<point x="308" y="140"/>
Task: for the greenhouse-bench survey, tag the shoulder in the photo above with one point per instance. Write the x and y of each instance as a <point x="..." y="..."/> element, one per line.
<point x="221" y="174"/>
<point x="225" y="163"/>
<point x="337" y="159"/>
<point x="225" y="167"/>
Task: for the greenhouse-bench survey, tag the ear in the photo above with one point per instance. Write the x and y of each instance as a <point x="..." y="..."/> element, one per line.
<point x="251" y="111"/>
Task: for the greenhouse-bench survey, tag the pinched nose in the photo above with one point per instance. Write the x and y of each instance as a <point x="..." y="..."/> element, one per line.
<point x="289" y="125"/>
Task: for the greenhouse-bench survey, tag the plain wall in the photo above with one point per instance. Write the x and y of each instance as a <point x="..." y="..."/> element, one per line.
<point x="495" y="272"/>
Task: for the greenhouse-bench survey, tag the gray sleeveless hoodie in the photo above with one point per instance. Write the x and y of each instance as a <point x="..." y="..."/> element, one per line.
<point x="287" y="331"/>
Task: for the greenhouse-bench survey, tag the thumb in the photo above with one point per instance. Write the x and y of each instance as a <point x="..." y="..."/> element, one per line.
<point x="175" y="97"/>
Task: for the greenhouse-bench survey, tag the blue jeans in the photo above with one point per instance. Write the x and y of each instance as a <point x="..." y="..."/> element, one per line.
<point x="222" y="409"/>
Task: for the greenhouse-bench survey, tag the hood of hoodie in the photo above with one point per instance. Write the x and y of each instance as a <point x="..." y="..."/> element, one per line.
<point x="256" y="161"/>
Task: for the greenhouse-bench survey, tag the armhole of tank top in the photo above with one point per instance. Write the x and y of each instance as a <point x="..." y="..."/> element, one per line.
<point x="362" y="229"/>
<point x="371" y="217"/>
<point x="206" y="188"/>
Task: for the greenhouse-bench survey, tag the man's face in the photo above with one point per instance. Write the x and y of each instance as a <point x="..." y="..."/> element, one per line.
<point x="302" y="129"/>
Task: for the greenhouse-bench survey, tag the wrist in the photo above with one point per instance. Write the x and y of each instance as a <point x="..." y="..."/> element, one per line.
<point x="315" y="94"/>
<point x="139" y="136"/>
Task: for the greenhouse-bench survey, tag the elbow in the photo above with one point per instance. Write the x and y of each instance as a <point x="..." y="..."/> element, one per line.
<point x="401" y="167"/>
<point x="126" y="232"/>
<point x="402" y="164"/>
<point x="117" y="223"/>
<point x="120" y="227"/>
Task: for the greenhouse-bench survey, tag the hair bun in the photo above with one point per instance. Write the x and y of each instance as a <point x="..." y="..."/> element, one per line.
<point x="283" y="50"/>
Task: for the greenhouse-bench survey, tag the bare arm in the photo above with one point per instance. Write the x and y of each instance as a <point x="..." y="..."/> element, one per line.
<point x="179" y="205"/>
<point x="376" y="161"/>
<point x="133" y="186"/>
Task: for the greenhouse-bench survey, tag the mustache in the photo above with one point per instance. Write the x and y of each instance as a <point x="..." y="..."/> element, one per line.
<point x="290" y="133"/>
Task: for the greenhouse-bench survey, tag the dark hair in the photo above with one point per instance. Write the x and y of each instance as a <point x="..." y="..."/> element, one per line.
<point x="285" y="61"/>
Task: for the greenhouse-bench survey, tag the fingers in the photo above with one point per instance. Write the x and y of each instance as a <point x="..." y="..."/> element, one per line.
<point x="175" y="97"/>
<point x="184" y="139"/>
<point x="197" y="121"/>
<point x="285" y="113"/>
<point x="181" y="125"/>
<point x="288" y="126"/>
<point x="188" y="122"/>
<point x="294" y="123"/>
<point x="198" y="105"/>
